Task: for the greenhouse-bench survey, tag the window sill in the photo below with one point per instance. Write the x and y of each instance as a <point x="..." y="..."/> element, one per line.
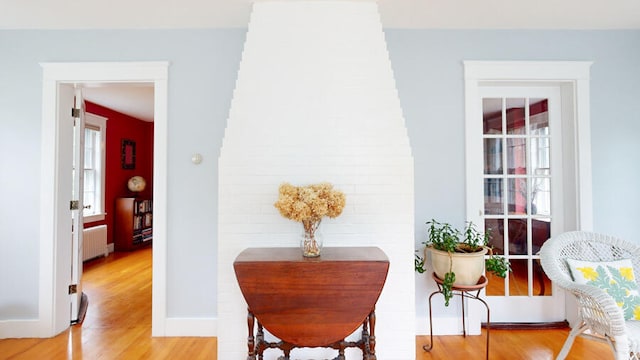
<point x="94" y="218"/>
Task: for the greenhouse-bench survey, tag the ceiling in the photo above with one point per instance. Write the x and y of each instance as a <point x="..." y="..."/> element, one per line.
<point x="137" y="100"/>
<point x="444" y="14"/>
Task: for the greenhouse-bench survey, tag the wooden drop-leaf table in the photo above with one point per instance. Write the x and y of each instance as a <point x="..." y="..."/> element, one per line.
<point x="311" y="302"/>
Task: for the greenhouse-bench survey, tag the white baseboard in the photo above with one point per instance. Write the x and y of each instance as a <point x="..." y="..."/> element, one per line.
<point x="447" y="326"/>
<point x="22" y="329"/>
<point x="204" y="327"/>
<point x="111" y="248"/>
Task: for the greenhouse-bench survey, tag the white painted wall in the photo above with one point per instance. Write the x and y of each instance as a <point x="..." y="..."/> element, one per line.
<point x="316" y="101"/>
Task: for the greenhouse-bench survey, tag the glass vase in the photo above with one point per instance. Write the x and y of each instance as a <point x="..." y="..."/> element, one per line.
<point x="311" y="242"/>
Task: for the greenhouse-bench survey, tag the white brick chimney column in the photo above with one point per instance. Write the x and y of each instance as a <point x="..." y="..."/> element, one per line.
<point x="315" y="101"/>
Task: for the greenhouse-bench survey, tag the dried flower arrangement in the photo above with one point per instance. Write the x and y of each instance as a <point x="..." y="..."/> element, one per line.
<point x="309" y="204"/>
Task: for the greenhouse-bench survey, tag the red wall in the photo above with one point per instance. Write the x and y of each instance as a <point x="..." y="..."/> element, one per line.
<point x="119" y="127"/>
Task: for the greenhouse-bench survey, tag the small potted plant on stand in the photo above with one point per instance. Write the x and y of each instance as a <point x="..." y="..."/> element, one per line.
<point x="457" y="256"/>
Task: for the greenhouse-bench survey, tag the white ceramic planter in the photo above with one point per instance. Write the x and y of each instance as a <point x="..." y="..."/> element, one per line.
<point x="468" y="267"/>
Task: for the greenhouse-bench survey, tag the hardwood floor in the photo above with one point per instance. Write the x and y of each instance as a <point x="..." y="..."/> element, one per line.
<point x="118" y="320"/>
<point x="118" y="326"/>
<point x="512" y="345"/>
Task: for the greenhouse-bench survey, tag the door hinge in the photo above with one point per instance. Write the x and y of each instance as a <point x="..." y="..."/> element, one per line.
<point x="73" y="289"/>
<point x="75" y="112"/>
<point x="74" y="205"/>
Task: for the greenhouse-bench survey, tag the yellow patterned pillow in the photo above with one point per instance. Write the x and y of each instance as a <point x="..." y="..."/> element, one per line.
<point x="614" y="277"/>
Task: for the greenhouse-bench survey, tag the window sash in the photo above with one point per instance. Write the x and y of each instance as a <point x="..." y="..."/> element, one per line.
<point x="94" y="168"/>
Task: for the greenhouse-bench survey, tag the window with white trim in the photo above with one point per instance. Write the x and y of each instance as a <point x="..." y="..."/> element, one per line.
<point x="94" y="167"/>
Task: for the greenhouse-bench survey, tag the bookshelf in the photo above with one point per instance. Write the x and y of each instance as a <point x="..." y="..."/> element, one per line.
<point x="134" y="223"/>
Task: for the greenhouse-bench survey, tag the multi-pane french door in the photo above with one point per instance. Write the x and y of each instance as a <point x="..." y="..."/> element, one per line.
<point x="520" y="146"/>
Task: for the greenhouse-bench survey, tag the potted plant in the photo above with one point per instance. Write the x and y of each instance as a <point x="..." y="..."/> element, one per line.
<point x="458" y="257"/>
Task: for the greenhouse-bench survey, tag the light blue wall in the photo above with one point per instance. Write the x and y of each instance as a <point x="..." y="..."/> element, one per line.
<point x="204" y="63"/>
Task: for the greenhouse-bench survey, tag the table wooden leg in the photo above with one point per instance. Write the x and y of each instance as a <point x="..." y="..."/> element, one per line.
<point x="250" y="339"/>
<point x="260" y="342"/>
<point x="372" y="335"/>
<point x="365" y="338"/>
<point x="256" y="343"/>
<point x="341" y="353"/>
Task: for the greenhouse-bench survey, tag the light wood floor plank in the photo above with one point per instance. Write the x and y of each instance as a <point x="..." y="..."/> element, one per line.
<point x="118" y="326"/>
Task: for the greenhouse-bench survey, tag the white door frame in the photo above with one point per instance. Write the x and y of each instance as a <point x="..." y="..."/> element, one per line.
<point x="53" y="298"/>
<point x="572" y="77"/>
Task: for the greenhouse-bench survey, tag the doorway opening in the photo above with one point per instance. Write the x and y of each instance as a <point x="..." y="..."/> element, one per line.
<point x="55" y="252"/>
<point x="118" y="194"/>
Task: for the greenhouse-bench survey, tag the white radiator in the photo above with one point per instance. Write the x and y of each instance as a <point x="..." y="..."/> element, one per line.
<point x="94" y="242"/>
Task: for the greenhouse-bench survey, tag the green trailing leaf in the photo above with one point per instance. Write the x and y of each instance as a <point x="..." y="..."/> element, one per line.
<point x="419" y="263"/>
<point x="447" y="286"/>
<point x="497" y="265"/>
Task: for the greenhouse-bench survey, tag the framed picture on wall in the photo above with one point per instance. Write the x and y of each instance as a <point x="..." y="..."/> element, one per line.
<point x="128" y="154"/>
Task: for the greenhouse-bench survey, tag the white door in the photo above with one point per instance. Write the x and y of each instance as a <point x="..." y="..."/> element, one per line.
<point x="76" y="212"/>
<point x="66" y="218"/>
<point x="520" y="147"/>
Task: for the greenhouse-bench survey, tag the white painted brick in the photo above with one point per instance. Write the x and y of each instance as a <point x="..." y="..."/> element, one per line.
<point x="346" y="128"/>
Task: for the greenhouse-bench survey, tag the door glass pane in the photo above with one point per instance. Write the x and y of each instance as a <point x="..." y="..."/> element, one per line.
<point x="540" y="232"/>
<point x="492" y="116"/>
<point x="517" y="236"/>
<point x="495" y="229"/>
<point x="515" y="116"/>
<point x="496" y="285"/>
<point x="518" y="278"/>
<point x="493" y="196"/>
<point x="541" y="283"/>
<point x="540" y="155"/>
<point x="517" y="156"/>
<point x="539" y="116"/>
<point x="541" y="196"/>
<point x="517" y="201"/>
<point x="492" y="156"/>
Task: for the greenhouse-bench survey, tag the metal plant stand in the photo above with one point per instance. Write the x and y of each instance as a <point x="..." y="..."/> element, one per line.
<point x="465" y="292"/>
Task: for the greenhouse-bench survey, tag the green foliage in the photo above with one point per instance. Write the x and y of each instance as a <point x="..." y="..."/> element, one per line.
<point x="419" y="263"/>
<point x="447" y="285"/>
<point x="497" y="265"/>
<point x="444" y="237"/>
<point x="473" y="238"/>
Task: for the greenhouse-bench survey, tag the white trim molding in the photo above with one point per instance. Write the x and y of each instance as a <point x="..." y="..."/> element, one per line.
<point x="201" y="327"/>
<point x="572" y="78"/>
<point x="51" y="284"/>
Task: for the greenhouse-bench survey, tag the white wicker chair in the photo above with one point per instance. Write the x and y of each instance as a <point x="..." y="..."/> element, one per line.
<point x="598" y="313"/>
